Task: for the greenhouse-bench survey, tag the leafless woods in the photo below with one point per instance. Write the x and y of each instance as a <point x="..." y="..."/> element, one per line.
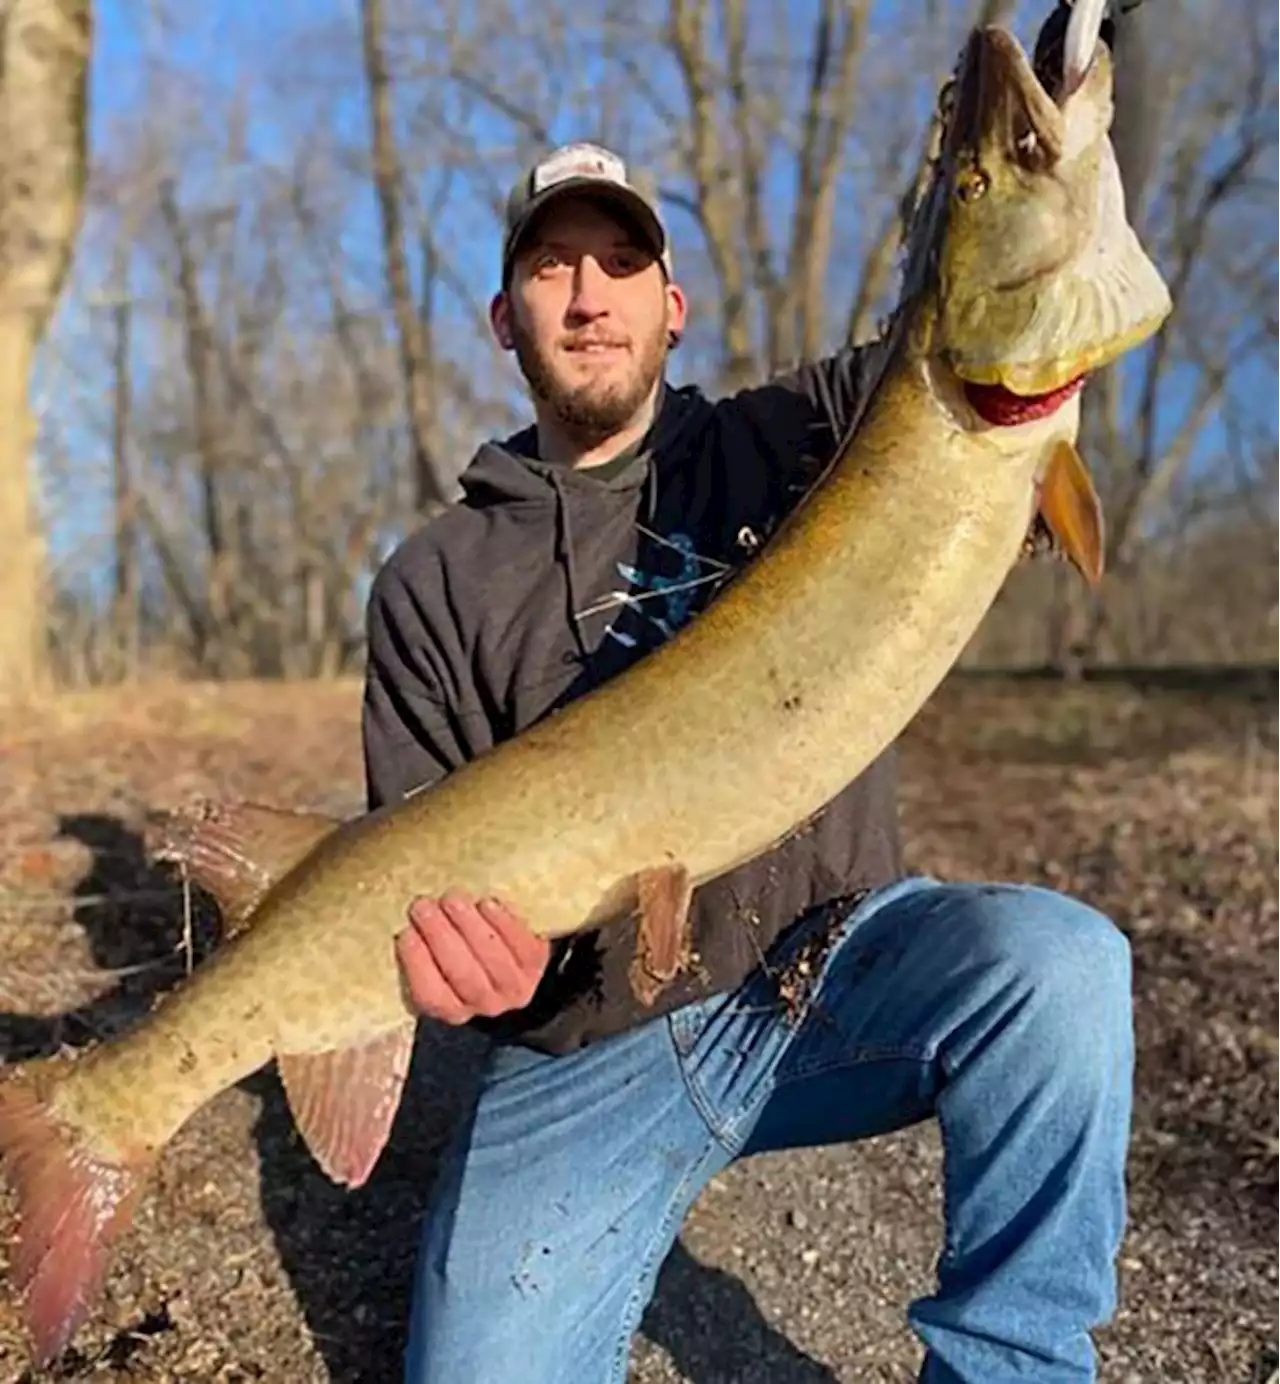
<point x="270" y="357"/>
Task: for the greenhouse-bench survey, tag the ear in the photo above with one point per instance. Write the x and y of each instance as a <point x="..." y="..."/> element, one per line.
<point x="500" y="321"/>
<point x="677" y="309"/>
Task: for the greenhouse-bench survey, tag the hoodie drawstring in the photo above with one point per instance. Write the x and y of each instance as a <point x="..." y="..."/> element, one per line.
<point x="564" y="551"/>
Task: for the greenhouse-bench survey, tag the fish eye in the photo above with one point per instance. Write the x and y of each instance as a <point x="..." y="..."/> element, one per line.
<point x="971" y="184"/>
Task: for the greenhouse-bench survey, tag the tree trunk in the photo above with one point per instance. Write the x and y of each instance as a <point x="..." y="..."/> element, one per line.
<point x="414" y="340"/>
<point x="126" y="610"/>
<point x="44" y="53"/>
<point x="22" y="622"/>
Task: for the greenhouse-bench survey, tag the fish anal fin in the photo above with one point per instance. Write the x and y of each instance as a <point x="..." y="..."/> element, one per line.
<point x="72" y="1205"/>
<point x="344" y="1102"/>
<point x="236" y="851"/>
<point x="663" y="894"/>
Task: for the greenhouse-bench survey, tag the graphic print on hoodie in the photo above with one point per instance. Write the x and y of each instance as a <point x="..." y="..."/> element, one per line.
<point x="660" y="604"/>
<point x="546" y="581"/>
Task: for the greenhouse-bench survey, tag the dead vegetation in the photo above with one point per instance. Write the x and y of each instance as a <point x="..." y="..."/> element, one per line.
<point x="1158" y="804"/>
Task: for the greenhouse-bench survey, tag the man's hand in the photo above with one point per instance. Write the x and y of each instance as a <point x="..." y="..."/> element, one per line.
<point x="462" y="957"/>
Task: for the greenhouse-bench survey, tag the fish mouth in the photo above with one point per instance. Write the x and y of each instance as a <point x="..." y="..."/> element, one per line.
<point x="1002" y="407"/>
<point x="999" y="101"/>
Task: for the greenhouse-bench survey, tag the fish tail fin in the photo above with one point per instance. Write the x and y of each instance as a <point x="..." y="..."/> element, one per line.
<point x="72" y="1205"/>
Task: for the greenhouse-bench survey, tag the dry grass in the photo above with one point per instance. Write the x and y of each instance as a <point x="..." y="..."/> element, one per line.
<point x="1157" y="805"/>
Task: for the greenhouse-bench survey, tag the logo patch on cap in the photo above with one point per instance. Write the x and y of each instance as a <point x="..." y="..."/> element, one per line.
<point x="578" y="161"/>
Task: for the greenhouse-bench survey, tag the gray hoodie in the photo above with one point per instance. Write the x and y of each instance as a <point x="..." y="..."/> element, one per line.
<point x="543" y="582"/>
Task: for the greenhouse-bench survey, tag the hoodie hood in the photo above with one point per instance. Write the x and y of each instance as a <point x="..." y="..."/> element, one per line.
<point x="511" y="470"/>
<point x="585" y="504"/>
<point x="586" y="510"/>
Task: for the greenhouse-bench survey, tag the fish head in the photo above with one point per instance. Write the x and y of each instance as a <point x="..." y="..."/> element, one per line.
<point x="1037" y="276"/>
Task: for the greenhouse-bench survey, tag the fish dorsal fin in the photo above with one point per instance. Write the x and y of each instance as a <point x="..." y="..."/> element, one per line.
<point x="344" y="1102"/>
<point x="237" y="851"/>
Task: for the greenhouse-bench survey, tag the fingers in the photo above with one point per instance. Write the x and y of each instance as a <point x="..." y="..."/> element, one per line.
<point x="528" y="949"/>
<point x="464" y="958"/>
<point x="429" y="992"/>
<point x="475" y="959"/>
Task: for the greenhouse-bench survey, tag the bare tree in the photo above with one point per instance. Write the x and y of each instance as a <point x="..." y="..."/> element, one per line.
<point x="289" y="388"/>
<point x="414" y="331"/>
<point x="727" y="157"/>
<point x="1211" y="173"/>
<point x="127" y="609"/>
<point x="44" y="56"/>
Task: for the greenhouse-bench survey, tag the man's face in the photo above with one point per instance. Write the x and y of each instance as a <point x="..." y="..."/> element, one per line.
<point x="588" y="313"/>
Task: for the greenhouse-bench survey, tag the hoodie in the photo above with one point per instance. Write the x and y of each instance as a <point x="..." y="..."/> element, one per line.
<point x="545" y="581"/>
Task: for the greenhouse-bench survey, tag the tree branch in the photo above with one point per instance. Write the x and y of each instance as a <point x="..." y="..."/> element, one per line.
<point x="686" y="35"/>
<point x="414" y="344"/>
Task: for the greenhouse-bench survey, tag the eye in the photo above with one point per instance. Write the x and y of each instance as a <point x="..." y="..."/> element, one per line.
<point x="629" y="261"/>
<point x="971" y="184"/>
<point x="545" y="262"/>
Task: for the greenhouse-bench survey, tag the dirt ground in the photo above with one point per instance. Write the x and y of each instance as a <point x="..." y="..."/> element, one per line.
<point x="1156" y="803"/>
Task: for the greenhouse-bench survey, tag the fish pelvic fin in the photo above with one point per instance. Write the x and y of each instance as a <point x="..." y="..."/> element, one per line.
<point x="1068" y="520"/>
<point x="72" y="1206"/>
<point x="237" y="850"/>
<point x="664" y="895"/>
<point x="344" y="1102"/>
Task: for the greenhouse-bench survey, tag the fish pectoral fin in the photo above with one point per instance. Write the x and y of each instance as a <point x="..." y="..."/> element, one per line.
<point x="1072" y="512"/>
<point x="237" y="851"/>
<point x="344" y="1102"/>
<point x="664" y="894"/>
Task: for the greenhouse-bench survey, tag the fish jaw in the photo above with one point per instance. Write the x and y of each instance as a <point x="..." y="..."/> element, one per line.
<point x="1041" y="279"/>
<point x="1080" y="42"/>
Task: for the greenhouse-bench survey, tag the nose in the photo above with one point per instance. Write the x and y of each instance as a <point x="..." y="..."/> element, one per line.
<point x="589" y="299"/>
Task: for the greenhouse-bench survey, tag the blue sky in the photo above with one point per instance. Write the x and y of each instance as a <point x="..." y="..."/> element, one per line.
<point x="294" y="85"/>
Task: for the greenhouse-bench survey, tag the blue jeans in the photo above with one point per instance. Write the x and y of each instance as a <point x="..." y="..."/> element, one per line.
<point x="1002" y="1010"/>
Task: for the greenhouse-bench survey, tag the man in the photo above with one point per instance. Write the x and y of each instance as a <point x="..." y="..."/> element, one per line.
<point x="580" y="544"/>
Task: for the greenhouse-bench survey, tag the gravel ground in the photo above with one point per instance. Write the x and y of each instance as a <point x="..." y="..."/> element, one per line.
<point x="245" y="1264"/>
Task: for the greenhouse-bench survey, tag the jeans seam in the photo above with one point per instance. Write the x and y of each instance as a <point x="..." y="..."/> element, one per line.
<point x="947" y="1253"/>
<point x="630" y="1316"/>
<point x="860" y="1058"/>
<point x="720" y="1130"/>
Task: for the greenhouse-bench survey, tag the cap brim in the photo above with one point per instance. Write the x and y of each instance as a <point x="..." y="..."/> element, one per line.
<point x="624" y="199"/>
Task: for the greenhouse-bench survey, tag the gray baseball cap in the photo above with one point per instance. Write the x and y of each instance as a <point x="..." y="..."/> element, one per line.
<point x="583" y="168"/>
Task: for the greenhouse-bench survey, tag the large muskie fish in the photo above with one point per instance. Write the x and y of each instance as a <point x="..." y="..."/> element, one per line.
<point x="1022" y="275"/>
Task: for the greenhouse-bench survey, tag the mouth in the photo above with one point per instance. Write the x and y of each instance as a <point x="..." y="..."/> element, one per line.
<point x="999" y="102"/>
<point x="1002" y="408"/>
<point x="595" y="348"/>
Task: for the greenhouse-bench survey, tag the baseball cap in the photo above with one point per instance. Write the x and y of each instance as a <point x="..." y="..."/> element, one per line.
<point x="584" y="168"/>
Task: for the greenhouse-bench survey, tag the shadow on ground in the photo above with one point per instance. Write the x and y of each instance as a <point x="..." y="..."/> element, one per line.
<point x="130" y="911"/>
<point x="350" y="1255"/>
<point x="709" y="1324"/>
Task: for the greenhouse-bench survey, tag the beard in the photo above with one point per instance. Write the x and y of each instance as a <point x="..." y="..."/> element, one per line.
<point x="596" y="409"/>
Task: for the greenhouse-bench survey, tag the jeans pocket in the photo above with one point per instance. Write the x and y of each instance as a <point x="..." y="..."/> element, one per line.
<point x="688" y="1023"/>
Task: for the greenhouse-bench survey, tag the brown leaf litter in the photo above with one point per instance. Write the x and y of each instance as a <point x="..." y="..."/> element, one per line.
<point x="1156" y="804"/>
